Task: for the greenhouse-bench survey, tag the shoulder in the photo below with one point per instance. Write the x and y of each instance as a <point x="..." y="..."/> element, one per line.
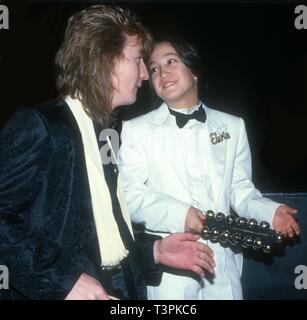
<point x="24" y="136"/>
<point x="139" y="126"/>
<point x="25" y="121"/>
<point x="222" y="116"/>
<point x="32" y="116"/>
<point x="144" y="119"/>
<point x="34" y="123"/>
<point x="154" y="118"/>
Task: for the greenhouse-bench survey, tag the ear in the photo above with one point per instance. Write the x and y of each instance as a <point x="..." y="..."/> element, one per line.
<point x="115" y="76"/>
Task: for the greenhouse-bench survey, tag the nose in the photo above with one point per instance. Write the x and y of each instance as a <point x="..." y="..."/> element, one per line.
<point x="143" y="71"/>
<point x="163" y="71"/>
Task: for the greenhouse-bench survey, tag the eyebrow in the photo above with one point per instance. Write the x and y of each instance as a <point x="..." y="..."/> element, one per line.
<point x="165" y="55"/>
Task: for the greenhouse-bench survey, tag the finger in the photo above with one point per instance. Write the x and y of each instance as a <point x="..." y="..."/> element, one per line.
<point x="198" y="270"/>
<point x="189" y="236"/>
<point x="204" y="261"/>
<point x="102" y="296"/>
<point x="293" y="229"/>
<point x="195" y="227"/>
<point x="204" y="257"/>
<point x="100" y="293"/>
<point x="204" y="248"/>
<point x="204" y="265"/>
<point x="190" y="230"/>
<point x="201" y="216"/>
<point x="291" y="210"/>
<point x="296" y="228"/>
<point x="290" y="232"/>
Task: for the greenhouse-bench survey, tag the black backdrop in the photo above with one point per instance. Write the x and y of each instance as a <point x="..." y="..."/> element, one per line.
<point x="253" y="57"/>
<point x="256" y="65"/>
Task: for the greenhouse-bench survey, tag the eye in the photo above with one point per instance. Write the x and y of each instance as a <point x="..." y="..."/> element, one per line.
<point x="171" y="61"/>
<point x="152" y="70"/>
<point x="138" y="59"/>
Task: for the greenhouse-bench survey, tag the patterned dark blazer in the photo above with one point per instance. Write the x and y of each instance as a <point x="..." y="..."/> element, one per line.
<point x="47" y="232"/>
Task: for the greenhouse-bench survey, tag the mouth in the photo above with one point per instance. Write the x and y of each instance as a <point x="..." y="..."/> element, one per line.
<point x="168" y="84"/>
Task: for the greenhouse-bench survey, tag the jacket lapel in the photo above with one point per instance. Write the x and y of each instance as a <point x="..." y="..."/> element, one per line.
<point x="216" y="151"/>
<point x="159" y="124"/>
<point x="120" y="189"/>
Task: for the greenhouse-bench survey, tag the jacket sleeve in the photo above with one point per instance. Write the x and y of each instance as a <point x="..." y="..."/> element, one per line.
<point x="39" y="267"/>
<point x="157" y="211"/>
<point x="145" y="244"/>
<point x="245" y="199"/>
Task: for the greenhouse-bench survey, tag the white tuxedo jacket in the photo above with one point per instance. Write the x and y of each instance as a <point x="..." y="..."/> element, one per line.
<point x="159" y="197"/>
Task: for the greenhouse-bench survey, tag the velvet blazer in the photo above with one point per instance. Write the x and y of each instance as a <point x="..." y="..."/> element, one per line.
<point x="47" y="231"/>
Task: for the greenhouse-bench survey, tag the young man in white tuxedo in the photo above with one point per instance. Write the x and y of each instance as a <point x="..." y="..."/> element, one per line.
<point x="185" y="158"/>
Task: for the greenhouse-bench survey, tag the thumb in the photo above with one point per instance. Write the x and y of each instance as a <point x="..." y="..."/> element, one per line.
<point x="188" y="236"/>
<point x="292" y="210"/>
<point x="201" y="216"/>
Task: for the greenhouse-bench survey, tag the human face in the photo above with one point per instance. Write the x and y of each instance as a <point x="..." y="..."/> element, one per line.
<point x="172" y="80"/>
<point x="129" y="72"/>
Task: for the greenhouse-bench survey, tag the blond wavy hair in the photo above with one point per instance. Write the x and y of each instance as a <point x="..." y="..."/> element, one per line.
<point x="94" y="40"/>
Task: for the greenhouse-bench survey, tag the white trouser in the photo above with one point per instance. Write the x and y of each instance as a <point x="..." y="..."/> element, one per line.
<point x="224" y="284"/>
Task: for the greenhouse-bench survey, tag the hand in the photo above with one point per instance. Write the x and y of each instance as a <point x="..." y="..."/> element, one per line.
<point x="284" y="222"/>
<point x="194" y="220"/>
<point x="182" y="251"/>
<point x="87" y="288"/>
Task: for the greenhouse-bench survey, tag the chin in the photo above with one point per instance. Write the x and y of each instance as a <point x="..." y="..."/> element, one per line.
<point x="130" y="102"/>
<point x="170" y="102"/>
<point x="127" y="102"/>
<point x="170" y="98"/>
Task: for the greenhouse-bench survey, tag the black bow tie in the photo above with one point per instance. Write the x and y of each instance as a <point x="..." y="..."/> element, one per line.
<point x="182" y="119"/>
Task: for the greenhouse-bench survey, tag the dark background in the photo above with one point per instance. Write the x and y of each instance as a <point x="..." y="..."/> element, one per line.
<point x="253" y="57"/>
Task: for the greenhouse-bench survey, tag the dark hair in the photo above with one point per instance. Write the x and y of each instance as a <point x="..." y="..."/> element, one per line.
<point x="93" y="41"/>
<point x="189" y="56"/>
